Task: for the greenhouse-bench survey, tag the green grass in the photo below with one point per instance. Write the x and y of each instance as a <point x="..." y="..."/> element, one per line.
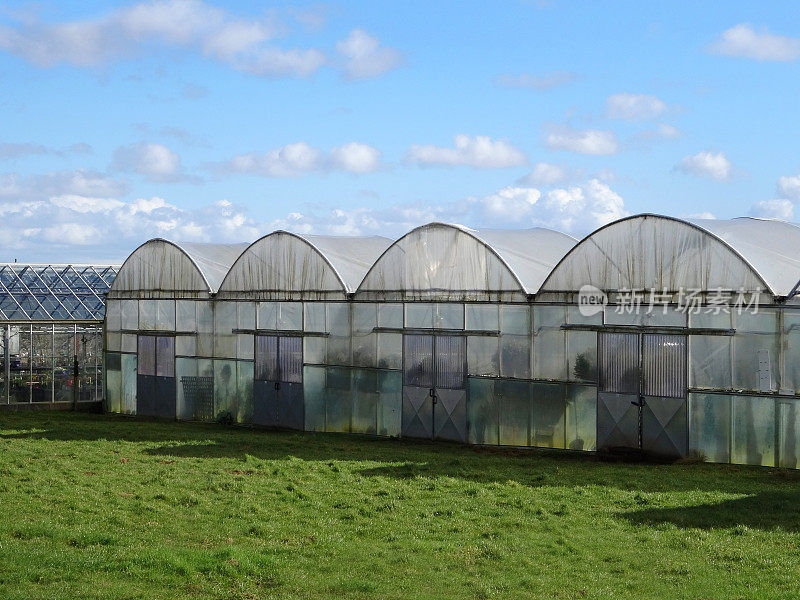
<point x="105" y="507"/>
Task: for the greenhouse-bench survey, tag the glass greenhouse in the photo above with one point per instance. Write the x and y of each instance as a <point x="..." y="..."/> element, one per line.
<point x="51" y="314"/>
<point x="673" y="337"/>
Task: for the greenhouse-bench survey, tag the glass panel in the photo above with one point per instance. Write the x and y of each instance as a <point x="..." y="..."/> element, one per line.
<point x="450" y="359"/>
<point x="482" y="412"/>
<point x="186" y="380"/>
<point x="290" y="316"/>
<point x="339" y="340"/>
<point x="186" y="315"/>
<point x="514" y="402"/>
<point x="420" y="315"/>
<point x="267" y="315"/>
<point x="390" y="315"/>
<point x="664" y="365"/>
<point x="753" y="439"/>
<point x="129" y="342"/>
<point x="515" y="356"/>
<point x="365" y="319"/>
<point x="549" y="343"/>
<point x="710" y="427"/>
<point x="315" y="349"/>
<point x="315" y="317"/>
<point x="791" y="353"/>
<point x="755" y="351"/>
<point x="710" y="361"/>
<point x="290" y="359"/>
<point x="582" y="355"/>
<point x="548" y="415"/>
<point x="482" y="317"/>
<point x="225" y="389"/>
<point x="186" y="345"/>
<point x="224" y="324"/>
<point x="244" y="346"/>
<point x="515" y="319"/>
<point x="246" y="315"/>
<point x="147" y="355"/>
<point x="165" y="315"/>
<point x="581" y="417"/>
<point x="165" y="357"/>
<point x="390" y="402"/>
<point x="449" y="316"/>
<point x="418" y="360"/>
<point x="337" y="400"/>
<point x="390" y="350"/>
<point x="113" y="383"/>
<point x="266" y="368"/>
<point x="63" y="338"/>
<point x="147" y="315"/>
<point x="619" y="362"/>
<point x="113" y="342"/>
<point x="483" y="355"/>
<point x="129" y="315"/>
<point x="314" y="398"/>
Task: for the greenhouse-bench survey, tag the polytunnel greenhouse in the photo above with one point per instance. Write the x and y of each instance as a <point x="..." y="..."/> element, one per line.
<point x="673" y="337"/>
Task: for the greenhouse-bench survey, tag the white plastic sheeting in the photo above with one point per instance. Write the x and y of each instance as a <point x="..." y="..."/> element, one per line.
<point x="288" y="266"/>
<point x="446" y="262"/>
<point x="656" y="252"/>
<point x="162" y="269"/>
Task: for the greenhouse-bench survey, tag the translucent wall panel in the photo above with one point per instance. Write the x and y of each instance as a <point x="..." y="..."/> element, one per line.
<point x="581" y="417"/>
<point x="390" y="350"/>
<point x="314" y="398"/>
<point x="515" y="341"/>
<point x="365" y="320"/>
<point x="753" y="430"/>
<point x="549" y="343"/>
<point x="129" y="370"/>
<point x="128" y="342"/>
<point x="148" y="314"/>
<point x="420" y="315"/>
<point x="582" y="355"/>
<point x="548" y="415"/>
<point x="113" y="342"/>
<point x="710" y="427"/>
<point x="426" y="315"/>
<point x="483" y="355"/>
<point x="129" y="314"/>
<point x="224" y="324"/>
<point x="514" y="414"/>
<point x="186" y="315"/>
<point x="789" y="434"/>
<point x="755" y="351"/>
<point x="185" y="389"/>
<point x="482" y="317"/>
<point x="315" y="350"/>
<point x="314" y="317"/>
<point x="245" y="320"/>
<point x="165" y="315"/>
<point x="365" y="401"/>
<point x="657" y="315"/>
<point x="390" y="386"/>
<point x="790" y="379"/>
<point x="710" y="355"/>
<point x="339" y="339"/>
<point x="390" y="315"/>
<point x="337" y="399"/>
<point x="147" y="355"/>
<point x="287" y="316"/>
<point x="225" y="384"/>
<point x="244" y="391"/>
<point x="113" y="315"/>
<point x="482" y="412"/>
<point x="186" y="345"/>
<point x="205" y="329"/>
<point x="113" y="382"/>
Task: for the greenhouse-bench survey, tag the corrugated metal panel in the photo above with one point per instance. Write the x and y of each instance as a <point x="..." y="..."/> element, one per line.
<point x="147" y="355"/>
<point x="664" y="365"/>
<point x="450" y="362"/>
<point x="266" y="359"/>
<point x="290" y="359"/>
<point x="619" y="362"/>
<point x="165" y="356"/>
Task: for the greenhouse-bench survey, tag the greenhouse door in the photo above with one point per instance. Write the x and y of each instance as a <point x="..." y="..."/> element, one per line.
<point x="278" y="385"/>
<point x="155" y="381"/>
<point x="434" y="390"/>
<point x="642" y="398"/>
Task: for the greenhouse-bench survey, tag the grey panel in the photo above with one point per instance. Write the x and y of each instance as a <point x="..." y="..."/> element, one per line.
<point x="165" y="356"/>
<point x="418" y="360"/>
<point x="450" y="415"/>
<point x="617" y="421"/>
<point x="265" y="403"/>
<point x="417" y="418"/>
<point x="266" y="360"/>
<point x="290" y="359"/>
<point x="664" y="427"/>
<point x="664" y="365"/>
<point x="450" y="362"/>
<point x="146" y="364"/>
<point x="290" y="406"/>
<point x="619" y="362"/>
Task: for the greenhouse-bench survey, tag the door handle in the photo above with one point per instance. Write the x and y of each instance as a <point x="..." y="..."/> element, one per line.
<point x="432" y="394"/>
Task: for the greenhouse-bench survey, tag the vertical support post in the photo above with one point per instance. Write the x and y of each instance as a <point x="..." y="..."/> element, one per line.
<point x="7" y="360"/>
<point x="75" y="370"/>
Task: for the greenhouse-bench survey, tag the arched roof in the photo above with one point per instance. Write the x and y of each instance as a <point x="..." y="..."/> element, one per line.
<point x="654" y="251"/>
<point x="284" y="265"/>
<point x="445" y="262"/>
<point x="162" y="268"/>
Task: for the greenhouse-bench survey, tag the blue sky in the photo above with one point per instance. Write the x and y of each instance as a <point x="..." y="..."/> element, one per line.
<point x="221" y="121"/>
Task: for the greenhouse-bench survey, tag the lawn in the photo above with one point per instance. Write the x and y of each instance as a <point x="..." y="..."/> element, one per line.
<point x="108" y="507"/>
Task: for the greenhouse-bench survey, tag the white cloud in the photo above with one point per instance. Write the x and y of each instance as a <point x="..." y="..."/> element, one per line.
<point x="707" y="164"/>
<point x="155" y="162"/>
<point x="294" y="160"/>
<point x="356" y="158"/>
<point x="546" y="81"/>
<point x="743" y="41"/>
<point x="789" y="187"/>
<point x="546" y="174"/>
<point x="82" y="182"/>
<point x="150" y="27"/>
<point x="479" y="151"/>
<point x="634" y="107"/>
<point x="665" y="131"/>
<point x="776" y="208"/>
<point x="585" y="141"/>
<point x="83" y="204"/>
<point x="365" y="57"/>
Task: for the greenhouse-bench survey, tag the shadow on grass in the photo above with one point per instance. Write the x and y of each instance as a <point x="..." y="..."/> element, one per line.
<point x="767" y="510"/>
<point x="400" y="459"/>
